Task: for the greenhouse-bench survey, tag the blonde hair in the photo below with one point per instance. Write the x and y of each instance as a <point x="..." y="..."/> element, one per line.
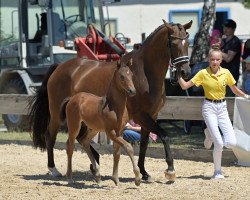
<point x="214" y="48"/>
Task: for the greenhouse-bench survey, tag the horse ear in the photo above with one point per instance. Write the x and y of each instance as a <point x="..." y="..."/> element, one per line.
<point x="130" y="62"/>
<point x="170" y="29"/>
<point x="188" y="25"/>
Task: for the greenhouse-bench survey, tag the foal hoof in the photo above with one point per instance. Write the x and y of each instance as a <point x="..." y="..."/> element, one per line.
<point x="170" y="175"/>
<point x="54" y="172"/>
<point x="116" y="181"/>
<point x="98" y="179"/>
<point x="71" y="181"/>
<point x="137" y="181"/>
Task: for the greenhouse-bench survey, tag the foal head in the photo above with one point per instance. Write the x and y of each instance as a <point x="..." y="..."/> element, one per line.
<point x="178" y="44"/>
<point x="123" y="77"/>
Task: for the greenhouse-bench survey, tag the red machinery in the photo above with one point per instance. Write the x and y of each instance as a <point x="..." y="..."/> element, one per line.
<point x="98" y="46"/>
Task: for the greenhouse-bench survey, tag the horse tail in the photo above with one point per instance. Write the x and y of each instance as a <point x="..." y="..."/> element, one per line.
<point x="63" y="109"/>
<point x="39" y="115"/>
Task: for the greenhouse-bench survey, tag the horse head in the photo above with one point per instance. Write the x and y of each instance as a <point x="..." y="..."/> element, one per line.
<point x="125" y="76"/>
<point x="178" y="44"/>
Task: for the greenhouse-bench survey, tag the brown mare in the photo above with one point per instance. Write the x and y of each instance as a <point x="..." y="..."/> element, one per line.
<point x="169" y="42"/>
<point x="107" y="113"/>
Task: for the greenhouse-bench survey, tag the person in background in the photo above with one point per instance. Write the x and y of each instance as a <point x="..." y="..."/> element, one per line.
<point x="132" y="133"/>
<point x="246" y="50"/>
<point x="245" y="58"/>
<point x="216" y="38"/>
<point x="246" y="83"/>
<point x="214" y="80"/>
<point x="43" y="29"/>
<point x="231" y="51"/>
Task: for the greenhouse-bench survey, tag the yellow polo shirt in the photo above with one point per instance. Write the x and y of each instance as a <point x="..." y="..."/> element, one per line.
<point x="214" y="86"/>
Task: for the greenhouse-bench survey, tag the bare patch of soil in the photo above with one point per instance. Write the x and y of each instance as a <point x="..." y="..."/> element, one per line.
<point x="24" y="176"/>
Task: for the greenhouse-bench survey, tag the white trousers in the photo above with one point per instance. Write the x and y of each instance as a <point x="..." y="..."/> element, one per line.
<point x="216" y="116"/>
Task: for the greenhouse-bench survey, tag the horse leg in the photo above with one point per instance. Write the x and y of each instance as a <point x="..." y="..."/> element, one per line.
<point x="116" y="157"/>
<point x="82" y="134"/>
<point x="170" y="172"/>
<point x="50" y="143"/>
<point x="85" y="142"/>
<point x="129" y="150"/>
<point x="142" y="154"/>
<point x="149" y="124"/>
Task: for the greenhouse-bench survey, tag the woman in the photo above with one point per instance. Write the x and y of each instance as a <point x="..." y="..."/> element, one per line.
<point x="214" y="80"/>
<point x="132" y="133"/>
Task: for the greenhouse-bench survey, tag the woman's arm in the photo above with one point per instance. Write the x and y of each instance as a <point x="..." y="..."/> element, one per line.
<point x="239" y="92"/>
<point x="133" y="128"/>
<point x="185" y="84"/>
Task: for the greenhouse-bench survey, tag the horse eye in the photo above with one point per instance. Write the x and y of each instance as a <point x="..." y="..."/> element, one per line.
<point x="122" y="77"/>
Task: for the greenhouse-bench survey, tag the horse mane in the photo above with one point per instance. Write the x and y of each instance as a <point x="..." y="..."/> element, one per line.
<point x="152" y="33"/>
<point x="158" y="29"/>
<point x="104" y="101"/>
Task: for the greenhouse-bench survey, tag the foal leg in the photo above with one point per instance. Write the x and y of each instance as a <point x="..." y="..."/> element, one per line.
<point x="82" y="134"/>
<point x="51" y="134"/>
<point x="86" y="146"/>
<point x="116" y="157"/>
<point x="73" y="129"/>
<point x="70" y="149"/>
<point x="129" y="150"/>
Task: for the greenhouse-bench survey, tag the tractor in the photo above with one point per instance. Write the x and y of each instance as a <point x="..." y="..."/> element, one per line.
<point x="34" y="34"/>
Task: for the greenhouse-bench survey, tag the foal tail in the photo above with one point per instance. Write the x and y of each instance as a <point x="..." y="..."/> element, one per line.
<point x="39" y="112"/>
<point x="63" y="109"/>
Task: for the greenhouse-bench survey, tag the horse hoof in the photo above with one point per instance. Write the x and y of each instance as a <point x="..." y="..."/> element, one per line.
<point x="137" y="181"/>
<point x="116" y="181"/>
<point x="71" y="181"/>
<point x="98" y="179"/>
<point x="147" y="178"/>
<point x="170" y="175"/>
<point x="54" y="172"/>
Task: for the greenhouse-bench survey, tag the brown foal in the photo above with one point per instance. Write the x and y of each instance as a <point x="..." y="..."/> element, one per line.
<point x="108" y="114"/>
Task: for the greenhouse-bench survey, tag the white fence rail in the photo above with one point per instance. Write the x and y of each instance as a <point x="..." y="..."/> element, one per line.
<point x="176" y="107"/>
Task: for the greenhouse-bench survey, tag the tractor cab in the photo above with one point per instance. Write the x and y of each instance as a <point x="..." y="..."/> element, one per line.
<point x="38" y="33"/>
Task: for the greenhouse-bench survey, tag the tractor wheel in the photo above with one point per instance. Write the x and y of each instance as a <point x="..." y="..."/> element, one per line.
<point x="11" y="121"/>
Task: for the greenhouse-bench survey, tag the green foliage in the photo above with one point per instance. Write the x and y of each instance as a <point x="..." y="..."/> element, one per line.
<point x="246" y="3"/>
<point x="1" y="27"/>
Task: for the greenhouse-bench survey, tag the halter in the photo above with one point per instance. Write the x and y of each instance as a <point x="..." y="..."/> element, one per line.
<point x="174" y="62"/>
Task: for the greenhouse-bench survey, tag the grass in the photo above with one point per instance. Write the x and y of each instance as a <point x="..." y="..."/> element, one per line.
<point x="25" y="136"/>
<point x="178" y="138"/>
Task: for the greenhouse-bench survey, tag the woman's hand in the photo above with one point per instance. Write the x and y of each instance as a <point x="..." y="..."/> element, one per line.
<point x="246" y="96"/>
<point x="128" y="126"/>
<point x="185" y="84"/>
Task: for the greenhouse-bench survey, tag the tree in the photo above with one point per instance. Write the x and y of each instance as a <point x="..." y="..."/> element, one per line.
<point x="0" y="27"/>
<point x="201" y="40"/>
<point x="246" y="3"/>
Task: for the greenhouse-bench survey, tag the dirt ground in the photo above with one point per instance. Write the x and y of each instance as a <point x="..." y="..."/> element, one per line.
<point x="24" y="176"/>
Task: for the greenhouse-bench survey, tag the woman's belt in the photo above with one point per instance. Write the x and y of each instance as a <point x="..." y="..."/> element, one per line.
<point x="216" y="100"/>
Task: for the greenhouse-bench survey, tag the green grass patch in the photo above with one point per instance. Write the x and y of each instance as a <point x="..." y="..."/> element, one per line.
<point x="178" y="138"/>
<point x="25" y="136"/>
